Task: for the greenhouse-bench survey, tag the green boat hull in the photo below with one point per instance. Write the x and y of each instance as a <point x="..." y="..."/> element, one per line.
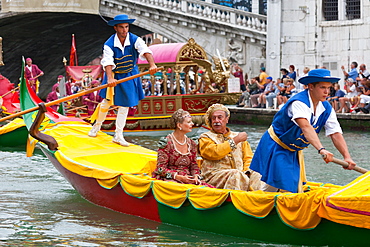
<point x="15" y="138"/>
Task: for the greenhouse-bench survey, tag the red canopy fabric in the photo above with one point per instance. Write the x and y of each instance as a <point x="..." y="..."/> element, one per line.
<point x="9" y="101"/>
<point x="76" y="71"/>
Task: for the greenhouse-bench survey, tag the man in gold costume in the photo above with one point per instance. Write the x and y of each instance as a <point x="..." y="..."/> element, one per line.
<point x="226" y="154"/>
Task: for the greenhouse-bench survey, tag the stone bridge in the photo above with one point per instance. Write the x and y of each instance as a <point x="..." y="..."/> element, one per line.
<point x="46" y="36"/>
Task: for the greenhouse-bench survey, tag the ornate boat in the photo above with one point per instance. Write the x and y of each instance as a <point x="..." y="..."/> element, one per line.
<point x="118" y="178"/>
<point x="153" y="112"/>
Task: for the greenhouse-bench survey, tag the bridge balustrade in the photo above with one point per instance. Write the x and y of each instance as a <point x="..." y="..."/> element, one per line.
<point x="209" y="11"/>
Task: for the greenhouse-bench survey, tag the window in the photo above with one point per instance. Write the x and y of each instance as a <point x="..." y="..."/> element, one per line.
<point x="330" y="9"/>
<point x="262" y="7"/>
<point x="353" y="9"/>
<point x="330" y="65"/>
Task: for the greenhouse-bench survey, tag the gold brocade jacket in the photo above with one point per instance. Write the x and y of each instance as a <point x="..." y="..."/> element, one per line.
<point x="218" y="154"/>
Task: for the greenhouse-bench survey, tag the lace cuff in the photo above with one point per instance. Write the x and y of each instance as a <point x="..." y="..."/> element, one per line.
<point x="232" y="144"/>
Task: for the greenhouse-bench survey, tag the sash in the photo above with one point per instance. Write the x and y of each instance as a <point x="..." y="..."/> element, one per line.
<point x="302" y="175"/>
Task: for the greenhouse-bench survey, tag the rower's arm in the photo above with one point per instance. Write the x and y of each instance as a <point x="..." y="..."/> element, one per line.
<point x="110" y="78"/>
<point x="311" y="136"/>
<point x="152" y="65"/>
<point x="309" y="132"/>
<point x="341" y="145"/>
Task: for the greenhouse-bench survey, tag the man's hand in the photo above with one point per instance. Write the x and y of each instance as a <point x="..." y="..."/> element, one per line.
<point x="241" y="137"/>
<point x="112" y="82"/>
<point x="327" y="156"/>
<point x="153" y="69"/>
<point x="351" y="164"/>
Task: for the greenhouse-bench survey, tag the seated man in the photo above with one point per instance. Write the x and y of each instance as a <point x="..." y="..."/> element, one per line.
<point x="226" y="154"/>
<point x="268" y="94"/>
<point x="351" y="93"/>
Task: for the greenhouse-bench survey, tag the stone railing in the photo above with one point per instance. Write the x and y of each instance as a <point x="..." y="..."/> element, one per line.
<point x="207" y="11"/>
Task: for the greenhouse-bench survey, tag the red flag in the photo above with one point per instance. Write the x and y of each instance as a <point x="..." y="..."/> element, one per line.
<point x="73" y="54"/>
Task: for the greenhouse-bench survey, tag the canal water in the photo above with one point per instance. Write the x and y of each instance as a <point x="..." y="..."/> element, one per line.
<point x="38" y="207"/>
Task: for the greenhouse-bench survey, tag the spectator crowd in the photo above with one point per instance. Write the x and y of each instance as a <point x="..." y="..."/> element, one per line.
<point x="263" y="91"/>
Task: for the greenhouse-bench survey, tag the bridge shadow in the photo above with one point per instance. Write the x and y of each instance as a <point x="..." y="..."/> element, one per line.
<point x="46" y="38"/>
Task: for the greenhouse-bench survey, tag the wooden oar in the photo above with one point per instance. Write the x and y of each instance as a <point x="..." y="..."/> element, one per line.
<point x="58" y="101"/>
<point x="345" y="164"/>
<point x="76" y="108"/>
<point x="2" y="96"/>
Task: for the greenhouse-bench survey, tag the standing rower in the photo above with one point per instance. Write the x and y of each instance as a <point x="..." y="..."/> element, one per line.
<point x="278" y="157"/>
<point x="120" y="54"/>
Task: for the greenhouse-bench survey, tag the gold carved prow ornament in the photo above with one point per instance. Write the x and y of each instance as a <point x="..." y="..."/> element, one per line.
<point x="214" y="80"/>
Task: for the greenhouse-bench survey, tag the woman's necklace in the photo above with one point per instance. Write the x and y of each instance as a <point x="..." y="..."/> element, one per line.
<point x="181" y="144"/>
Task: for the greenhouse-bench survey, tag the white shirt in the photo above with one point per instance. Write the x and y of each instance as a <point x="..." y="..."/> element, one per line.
<point x="352" y="92"/>
<point x="298" y="109"/>
<point x="140" y="46"/>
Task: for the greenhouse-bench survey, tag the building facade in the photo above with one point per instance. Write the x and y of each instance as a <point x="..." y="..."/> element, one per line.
<point x="317" y="33"/>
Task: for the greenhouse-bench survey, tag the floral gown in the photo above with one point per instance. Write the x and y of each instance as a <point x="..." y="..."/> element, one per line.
<point x="171" y="162"/>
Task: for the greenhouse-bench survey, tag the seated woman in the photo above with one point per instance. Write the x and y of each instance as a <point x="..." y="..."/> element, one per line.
<point x="177" y="153"/>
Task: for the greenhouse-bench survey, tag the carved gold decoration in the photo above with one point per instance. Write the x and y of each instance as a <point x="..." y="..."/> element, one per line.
<point x="145" y="106"/>
<point x="155" y="124"/>
<point x="198" y="120"/>
<point x="87" y="70"/>
<point x="113" y="123"/>
<point x="213" y="81"/>
<point x="170" y="106"/>
<point x="108" y="126"/>
<point x="192" y="50"/>
<point x="133" y="125"/>
<point x="87" y="78"/>
<point x="230" y="99"/>
<point x="200" y="105"/>
<point x="165" y="123"/>
<point x="158" y="106"/>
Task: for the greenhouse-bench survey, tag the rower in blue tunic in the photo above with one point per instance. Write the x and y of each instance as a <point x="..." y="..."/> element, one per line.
<point x="120" y="54"/>
<point x="279" y="157"/>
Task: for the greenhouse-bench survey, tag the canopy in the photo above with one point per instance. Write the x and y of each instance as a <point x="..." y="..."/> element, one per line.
<point x="176" y="52"/>
<point x="164" y="53"/>
<point x="78" y="72"/>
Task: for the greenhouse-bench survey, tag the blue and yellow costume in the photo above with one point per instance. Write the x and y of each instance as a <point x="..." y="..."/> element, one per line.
<point x="278" y="157"/>
<point x="128" y="93"/>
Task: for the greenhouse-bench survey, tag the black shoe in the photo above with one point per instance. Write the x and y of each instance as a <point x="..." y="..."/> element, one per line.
<point x="239" y="105"/>
<point x="259" y="106"/>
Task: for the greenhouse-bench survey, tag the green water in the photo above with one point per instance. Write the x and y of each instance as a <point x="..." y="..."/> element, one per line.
<point x="39" y="208"/>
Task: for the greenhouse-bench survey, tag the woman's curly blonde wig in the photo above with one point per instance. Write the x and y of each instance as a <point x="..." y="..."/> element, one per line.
<point x="178" y="117"/>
